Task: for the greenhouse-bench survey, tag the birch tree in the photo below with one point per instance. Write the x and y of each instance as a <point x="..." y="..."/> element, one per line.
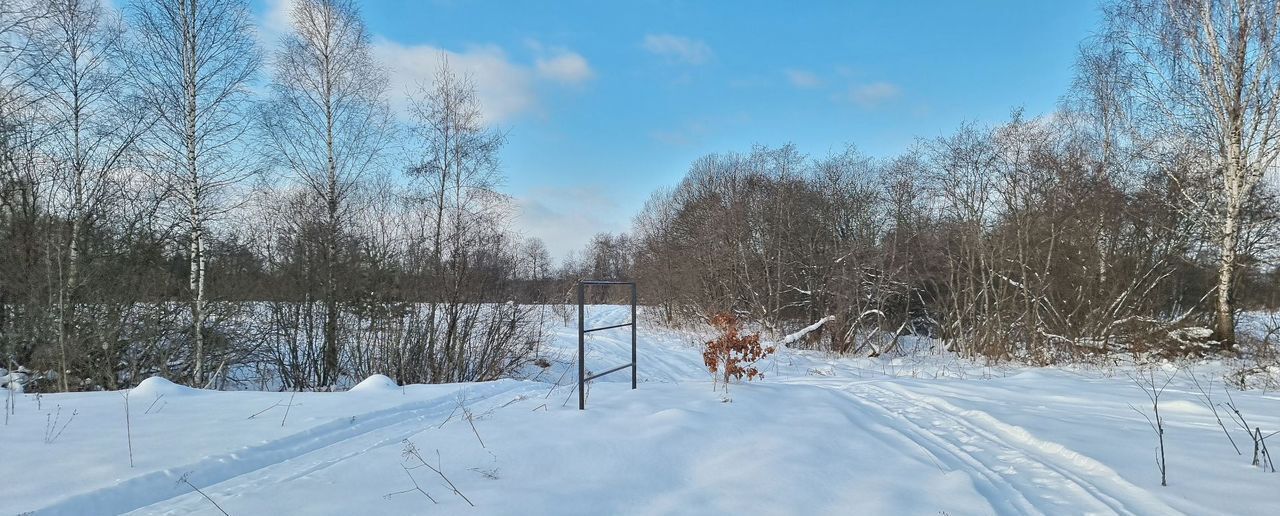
<point x="327" y="123"/>
<point x="455" y="188"/>
<point x="195" y="60"/>
<point x="78" y="73"/>
<point x="1206" y="71"/>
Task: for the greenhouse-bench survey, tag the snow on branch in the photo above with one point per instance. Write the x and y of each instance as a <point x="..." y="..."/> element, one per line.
<point x="807" y="329"/>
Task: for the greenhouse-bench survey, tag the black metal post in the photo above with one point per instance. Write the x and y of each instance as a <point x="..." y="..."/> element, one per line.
<point x="582" y="346"/>
<point x="582" y="337"/>
<point x="633" y="336"/>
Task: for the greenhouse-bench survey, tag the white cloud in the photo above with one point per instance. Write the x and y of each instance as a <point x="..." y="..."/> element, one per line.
<point x="803" y="78"/>
<point x="677" y="48"/>
<point x="276" y="21"/>
<point x="566" y="218"/>
<point x="564" y="67"/>
<point x="874" y="94"/>
<point x="505" y="88"/>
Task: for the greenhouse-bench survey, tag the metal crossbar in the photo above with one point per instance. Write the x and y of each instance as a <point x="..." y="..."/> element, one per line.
<point x="582" y="337"/>
<point x="619" y="368"/>
<point x="589" y="330"/>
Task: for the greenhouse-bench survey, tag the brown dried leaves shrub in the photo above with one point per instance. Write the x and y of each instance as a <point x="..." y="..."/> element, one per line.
<point x="733" y="355"/>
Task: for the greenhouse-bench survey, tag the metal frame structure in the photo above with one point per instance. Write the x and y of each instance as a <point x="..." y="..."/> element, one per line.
<point x="582" y="338"/>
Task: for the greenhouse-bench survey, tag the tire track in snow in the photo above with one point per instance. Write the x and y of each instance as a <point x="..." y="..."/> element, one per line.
<point x="1048" y="477"/>
<point x="158" y="486"/>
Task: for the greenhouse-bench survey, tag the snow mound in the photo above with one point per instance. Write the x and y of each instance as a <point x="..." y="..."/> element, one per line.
<point x="157" y="386"/>
<point x="377" y="382"/>
<point x="1183" y="407"/>
<point x="1030" y="375"/>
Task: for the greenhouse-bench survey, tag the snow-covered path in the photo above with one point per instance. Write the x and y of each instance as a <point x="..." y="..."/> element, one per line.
<point x="820" y="435"/>
<point x="1018" y="472"/>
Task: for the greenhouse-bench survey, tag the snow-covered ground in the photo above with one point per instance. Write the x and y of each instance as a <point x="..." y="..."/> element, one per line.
<point x="926" y="434"/>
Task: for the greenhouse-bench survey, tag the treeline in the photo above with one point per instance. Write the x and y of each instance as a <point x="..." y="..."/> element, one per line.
<point x="1008" y="241"/>
<point x="1134" y="214"/>
<point x="176" y="201"/>
<point x="160" y="213"/>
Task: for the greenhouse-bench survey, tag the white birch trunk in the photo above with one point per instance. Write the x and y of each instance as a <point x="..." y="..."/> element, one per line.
<point x="195" y="222"/>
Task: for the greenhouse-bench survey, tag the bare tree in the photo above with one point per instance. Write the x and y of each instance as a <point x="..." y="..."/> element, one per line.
<point x="21" y="181"/>
<point x="1208" y="69"/>
<point x="194" y="62"/>
<point x="16" y="20"/>
<point x="328" y="122"/>
<point x="470" y="258"/>
<point x="460" y="158"/>
<point x="535" y="263"/>
<point x="79" y="70"/>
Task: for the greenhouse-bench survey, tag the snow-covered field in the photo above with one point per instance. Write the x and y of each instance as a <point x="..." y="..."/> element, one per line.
<point x="927" y="434"/>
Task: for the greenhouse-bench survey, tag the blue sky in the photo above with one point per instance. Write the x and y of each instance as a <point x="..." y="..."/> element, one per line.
<point x="606" y="101"/>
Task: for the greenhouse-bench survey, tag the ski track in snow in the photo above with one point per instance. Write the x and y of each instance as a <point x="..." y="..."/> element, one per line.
<point x="1017" y="472"/>
<point x="278" y="461"/>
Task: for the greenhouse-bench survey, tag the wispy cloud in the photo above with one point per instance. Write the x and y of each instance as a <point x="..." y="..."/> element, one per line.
<point x="688" y="134"/>
<point x="560" y="64"/>
<point x="803" y="78"/>
<point x="677" y="48"/>
<point x="697" y="129"/>
<point x="873" y="95"/>
<point x="566" y="218"/>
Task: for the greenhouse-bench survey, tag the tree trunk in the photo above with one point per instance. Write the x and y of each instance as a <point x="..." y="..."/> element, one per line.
<point x="195" y="222"/>
<point x="331" y="239"/>
<point x="1224" y="311"/>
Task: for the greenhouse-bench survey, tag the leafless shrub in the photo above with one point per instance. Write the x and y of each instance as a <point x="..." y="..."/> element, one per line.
<point x="1261" y="456"/>
<point x="1154" y="388"/>
<point x="1258" y="364"/>
<point x="410" y="452"/>
<point x="1206" y="397"/>
<point x="51" y="429"/>
<point x="467" y="415"/>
